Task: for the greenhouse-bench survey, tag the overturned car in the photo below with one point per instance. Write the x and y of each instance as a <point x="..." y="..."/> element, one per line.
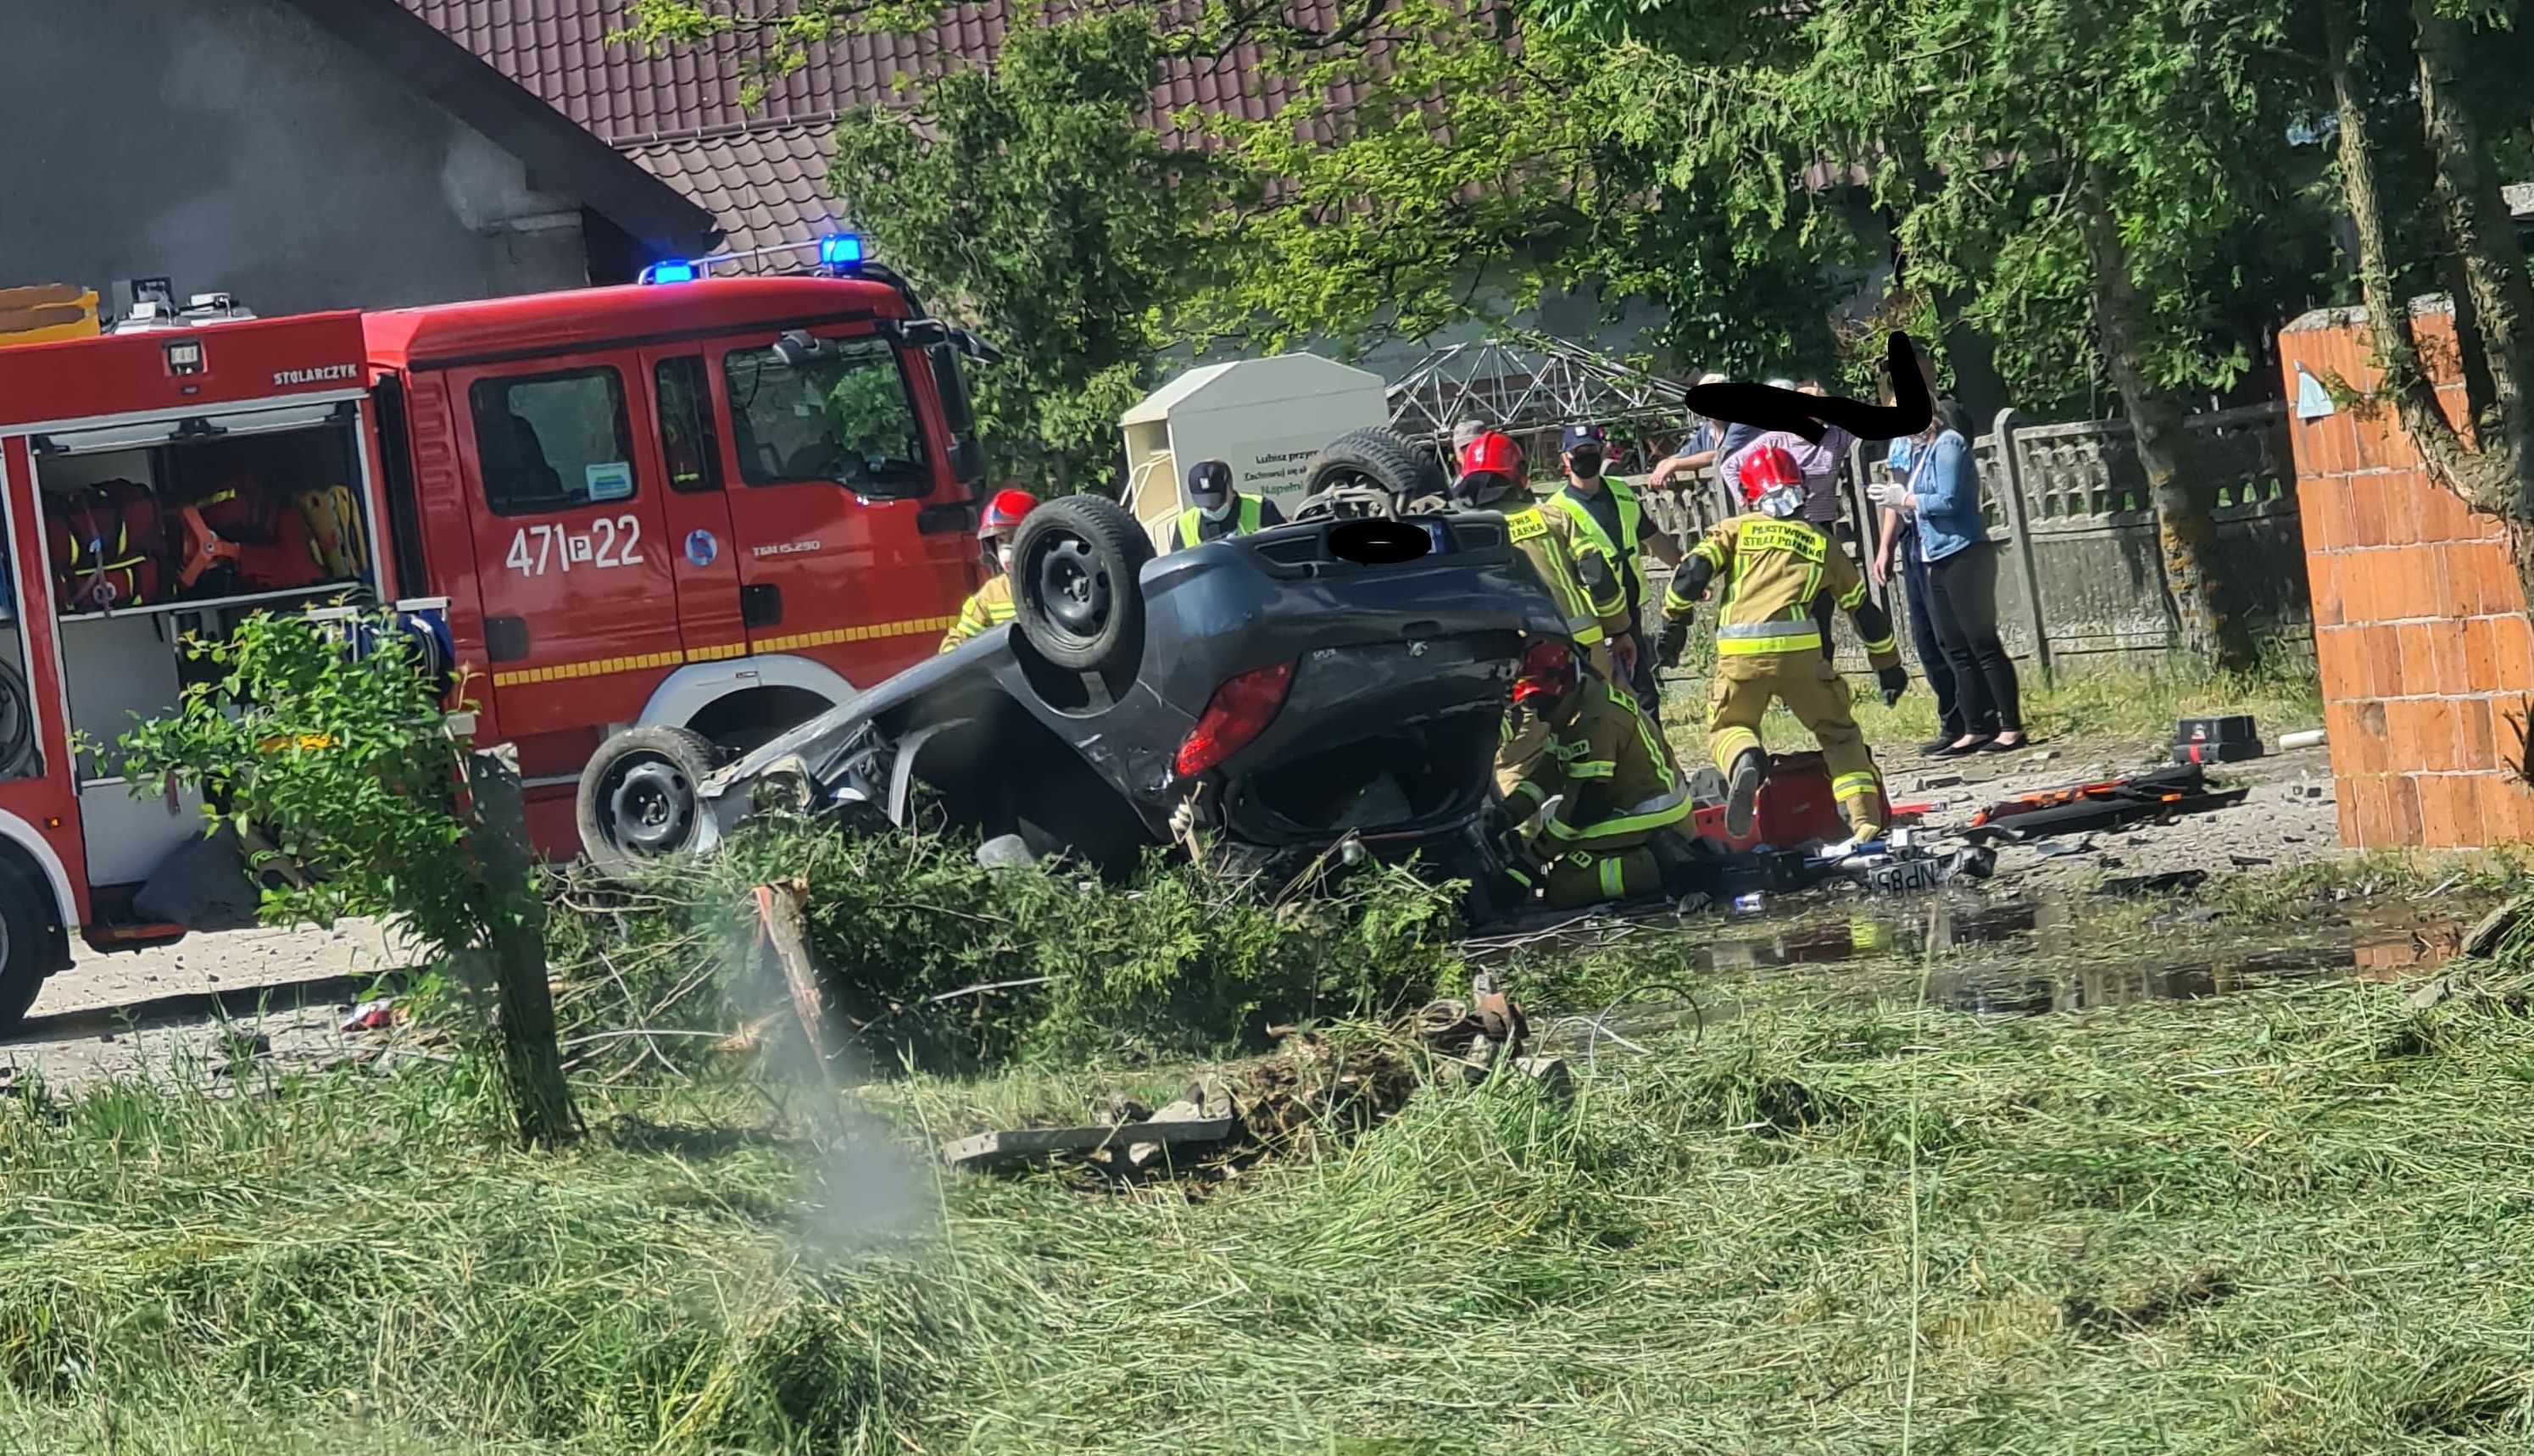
<point x="1346" y="676"/>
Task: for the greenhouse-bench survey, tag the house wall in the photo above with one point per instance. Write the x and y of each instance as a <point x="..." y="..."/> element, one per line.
<point x="233" y="145"/>
<point x="2420" y="629"/>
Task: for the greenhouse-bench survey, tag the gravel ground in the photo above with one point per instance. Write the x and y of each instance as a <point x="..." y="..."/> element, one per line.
<point x="174" y="1007"/>
<point x="2290" y="818"/>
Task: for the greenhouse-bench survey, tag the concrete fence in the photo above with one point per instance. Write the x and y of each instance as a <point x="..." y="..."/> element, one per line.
<point x="2079" y="576"/>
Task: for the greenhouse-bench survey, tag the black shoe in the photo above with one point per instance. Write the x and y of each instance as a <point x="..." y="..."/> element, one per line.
<point x="1742" y="797"/>
<point x="1960" y="750"/>
<point x="1935" y="748"/>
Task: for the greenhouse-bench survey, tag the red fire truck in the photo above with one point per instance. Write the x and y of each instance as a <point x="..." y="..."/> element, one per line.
<point x="665" y="518"/>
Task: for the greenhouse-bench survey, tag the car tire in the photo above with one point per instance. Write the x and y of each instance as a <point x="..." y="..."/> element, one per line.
<point x="1379" y="457"/>
<point x="1077" y="561"/>
<point x="641" y="797"/>
<point x="26" y="949"/>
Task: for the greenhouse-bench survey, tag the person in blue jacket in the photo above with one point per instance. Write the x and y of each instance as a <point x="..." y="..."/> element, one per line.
<point x="1941" y="495"/>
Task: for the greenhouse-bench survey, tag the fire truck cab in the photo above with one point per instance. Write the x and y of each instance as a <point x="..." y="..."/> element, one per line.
<point x="706" y="510"/>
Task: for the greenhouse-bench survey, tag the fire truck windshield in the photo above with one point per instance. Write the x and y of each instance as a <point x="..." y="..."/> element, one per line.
<point x="841" y="415"/>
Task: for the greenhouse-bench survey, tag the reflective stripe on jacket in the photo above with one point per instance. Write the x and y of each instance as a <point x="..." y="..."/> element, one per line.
<point x="1623" y="553"/>
<point x="1611" y="772"/>
<point x="1765" y="573"/>
<point x="1547" y="543"/>
<point x="990" y="607"/>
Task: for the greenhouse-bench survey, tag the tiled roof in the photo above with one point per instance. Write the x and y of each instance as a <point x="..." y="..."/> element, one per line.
<point x="560" y="50"/>
<point x="765" y="186"/>
<point x="762" y="171"/>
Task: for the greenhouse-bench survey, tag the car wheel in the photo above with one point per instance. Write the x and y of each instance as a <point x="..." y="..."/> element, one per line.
<point x="24" y="947"/>
<point x="1075" y="562"/>
<point x="1382" y="459"/>
<point x="641" y="796"/>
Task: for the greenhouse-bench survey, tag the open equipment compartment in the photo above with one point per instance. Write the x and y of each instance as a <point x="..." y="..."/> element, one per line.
<point x="168" y="480"/>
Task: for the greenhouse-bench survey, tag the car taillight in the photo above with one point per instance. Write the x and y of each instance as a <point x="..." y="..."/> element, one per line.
<point x="1237" y="713"/>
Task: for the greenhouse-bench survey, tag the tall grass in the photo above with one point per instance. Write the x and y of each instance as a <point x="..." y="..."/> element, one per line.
<point x="2292" y="1222"/>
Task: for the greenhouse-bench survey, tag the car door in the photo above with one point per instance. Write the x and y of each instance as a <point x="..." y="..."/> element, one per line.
<point x="833" y="470"/>
<point x="579" y="599"/>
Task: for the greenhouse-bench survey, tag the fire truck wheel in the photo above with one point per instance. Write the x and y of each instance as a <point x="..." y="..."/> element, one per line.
<point x="638" y="797"/>
<point x="23" y="964"/>
<point x="1074" y="566"/>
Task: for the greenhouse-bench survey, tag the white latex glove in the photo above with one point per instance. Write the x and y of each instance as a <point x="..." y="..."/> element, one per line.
<point x="1888" y="493"/>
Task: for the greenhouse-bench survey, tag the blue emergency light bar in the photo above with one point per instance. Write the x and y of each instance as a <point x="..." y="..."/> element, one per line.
<point x="840" y="250"/>
<point x="674" y="272"/>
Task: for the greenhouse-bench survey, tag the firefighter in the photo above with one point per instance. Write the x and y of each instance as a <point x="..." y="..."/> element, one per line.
<point x="1770" y="564"/>
<point x="1584" y="588"/>
<point x="991" y="606"/>
<point x="1611" y="523"/>
<point x="1217" y="510"/>
<point x="1605" y="778"/>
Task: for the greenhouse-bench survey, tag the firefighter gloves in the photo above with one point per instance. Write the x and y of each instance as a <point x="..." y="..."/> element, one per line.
<point x="1671" y="642"/>
<point x="1895" y="680"/>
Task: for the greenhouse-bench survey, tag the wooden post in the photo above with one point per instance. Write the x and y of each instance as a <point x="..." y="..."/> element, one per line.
<point x="514" y="935"/>
<point x="2010" y="464"/>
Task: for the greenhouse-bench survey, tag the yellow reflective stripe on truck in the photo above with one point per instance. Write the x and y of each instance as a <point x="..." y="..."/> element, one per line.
<point x="645" y="662"/>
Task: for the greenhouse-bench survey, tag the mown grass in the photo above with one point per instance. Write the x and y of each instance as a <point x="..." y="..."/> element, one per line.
<point x="2294" y="1222"/>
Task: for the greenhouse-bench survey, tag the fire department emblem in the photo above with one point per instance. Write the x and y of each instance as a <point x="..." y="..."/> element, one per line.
<point x="701" y="548"/>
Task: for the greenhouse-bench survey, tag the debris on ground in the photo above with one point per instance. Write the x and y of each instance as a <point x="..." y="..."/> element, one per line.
<point x="2109" y="803"/>
<point x="2205" y="740"/>
<point x="2485" y="937"/>
<point x="1284" y="1105"/>
<point x="1126" y="1144"/>
<point x="371" y="1016"/>
<point x="2170" y="882"/>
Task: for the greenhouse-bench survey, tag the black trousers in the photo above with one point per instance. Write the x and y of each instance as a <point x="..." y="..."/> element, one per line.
<point x="1962" y="603"/>
<point x="1932" y="662"/>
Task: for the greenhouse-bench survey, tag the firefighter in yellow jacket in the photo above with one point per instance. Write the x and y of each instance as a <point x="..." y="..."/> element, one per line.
<point x="1769" y="566"/>
<point x="991" y="605"/>
<point x="1589" y="800"/>
<point x="1595" y="602"/>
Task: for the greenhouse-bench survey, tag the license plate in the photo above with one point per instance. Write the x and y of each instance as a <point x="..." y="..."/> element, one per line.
<point x="1904" y="876"/>
<point x="1441" y="534"/>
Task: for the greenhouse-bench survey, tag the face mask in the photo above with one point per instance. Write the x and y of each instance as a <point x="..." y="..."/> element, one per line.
<point x="1585" y="463"/>
<point x="1216" y="513"/>
<point x="1004" y="556"/>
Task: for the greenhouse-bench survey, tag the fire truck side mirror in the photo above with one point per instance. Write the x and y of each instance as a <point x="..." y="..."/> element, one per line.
<point x="967" y="462"/>
<point x="977" y="348"/>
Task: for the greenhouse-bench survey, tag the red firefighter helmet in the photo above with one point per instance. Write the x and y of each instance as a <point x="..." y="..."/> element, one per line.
<point x="1002" y="515"/>
<point x="1769" y="468"/>
<point x="1492" y="453"/>
<point x="1548" y="671"/>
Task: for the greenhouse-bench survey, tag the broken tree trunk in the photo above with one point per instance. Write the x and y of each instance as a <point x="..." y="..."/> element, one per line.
<point x="2194" y="578"/>
<point x="515" y="933"/>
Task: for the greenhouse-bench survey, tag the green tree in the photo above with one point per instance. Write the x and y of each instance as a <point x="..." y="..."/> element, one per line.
<point x="2048" y="169"/>
<point x="1033" y="198"/>
<point x="2428" y="87"/>
<point x="344" y="761"/>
